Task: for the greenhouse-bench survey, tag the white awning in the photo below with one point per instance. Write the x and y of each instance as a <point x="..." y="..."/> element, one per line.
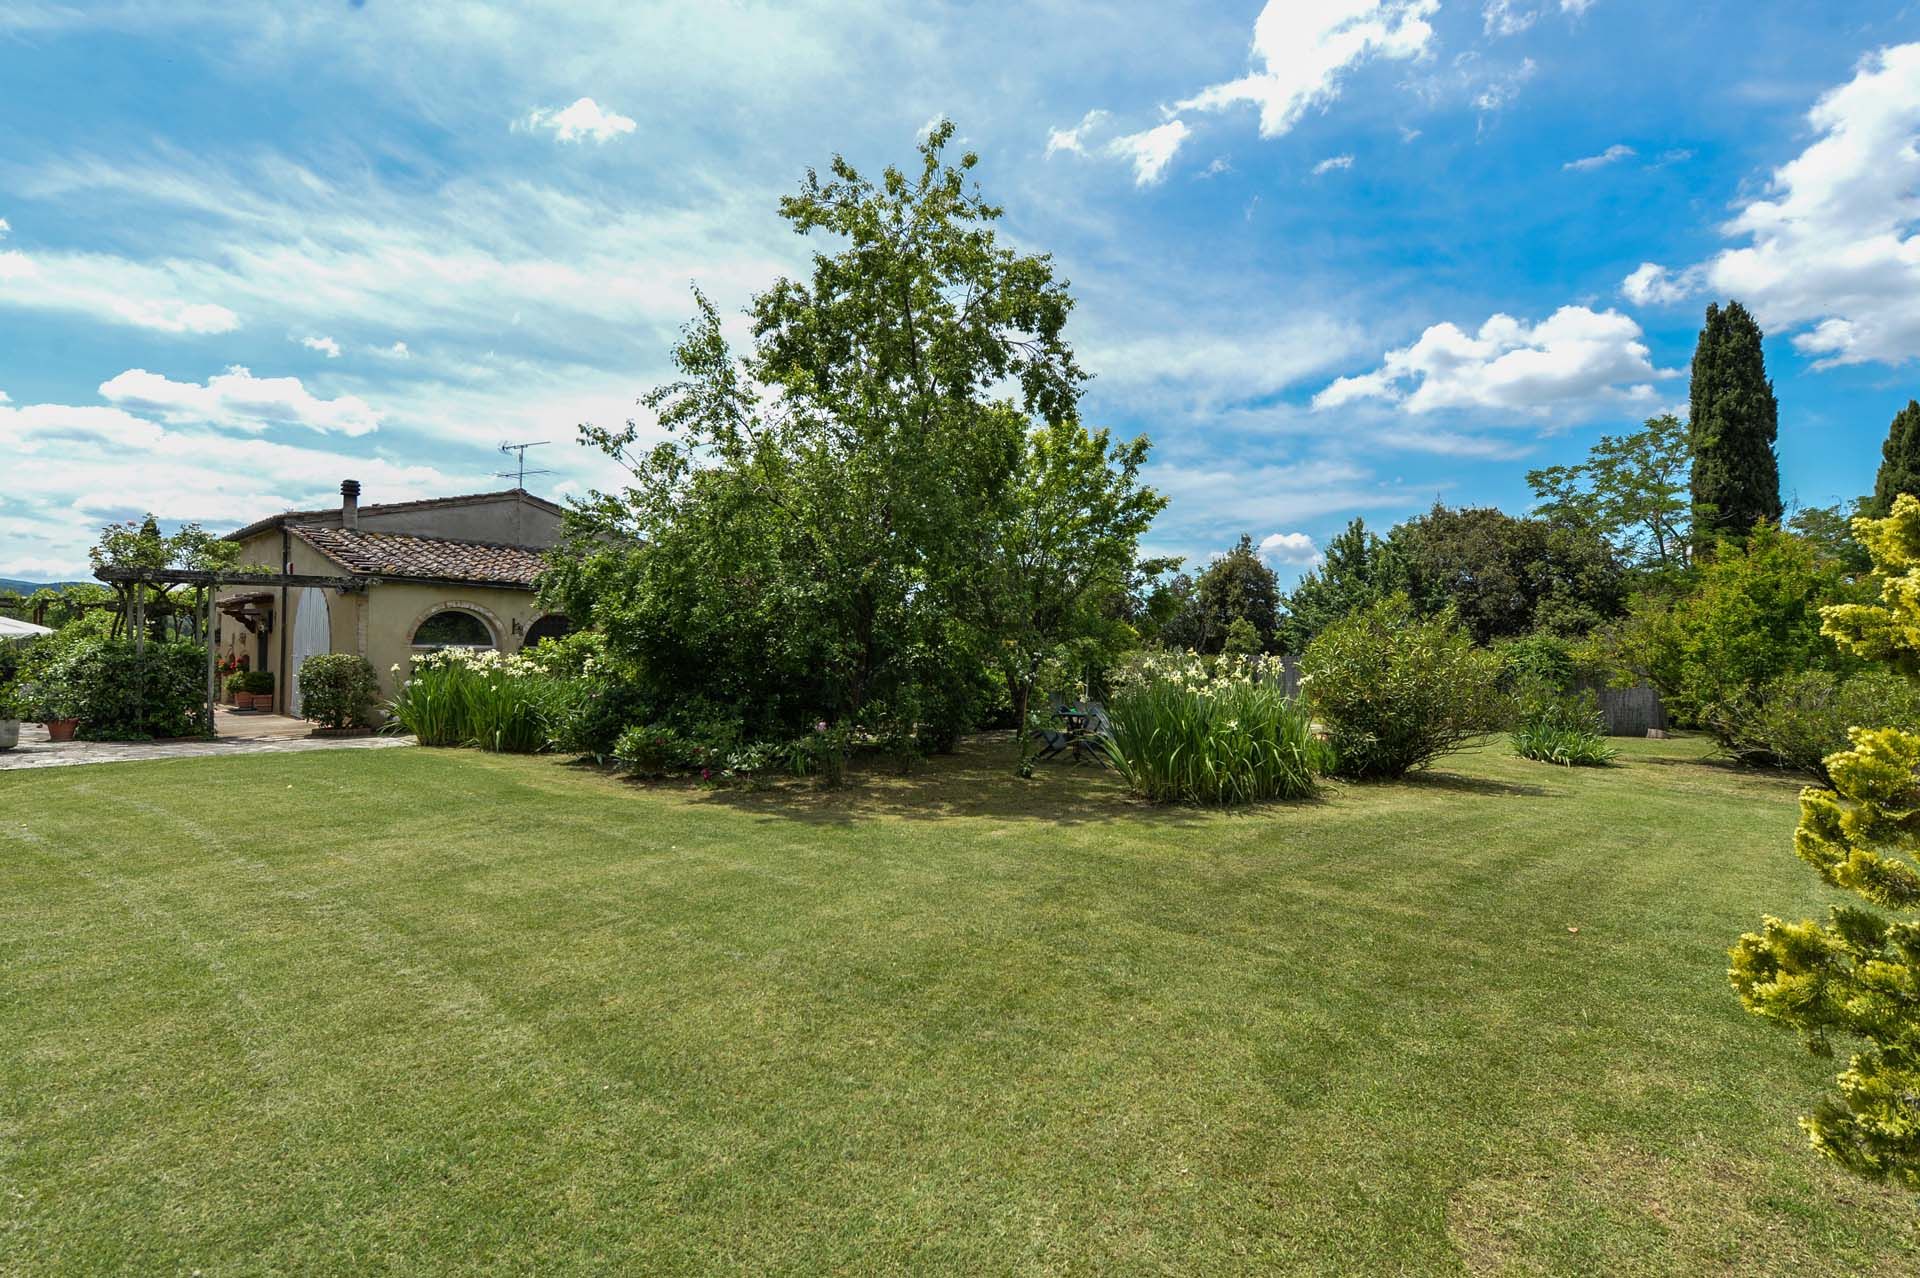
<point x="11" y="629"/>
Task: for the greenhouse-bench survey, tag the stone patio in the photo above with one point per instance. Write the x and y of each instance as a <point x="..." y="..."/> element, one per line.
<point x="236" y="732"/>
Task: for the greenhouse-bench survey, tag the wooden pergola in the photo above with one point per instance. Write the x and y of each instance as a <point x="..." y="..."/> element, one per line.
<point x="164" y="578"/>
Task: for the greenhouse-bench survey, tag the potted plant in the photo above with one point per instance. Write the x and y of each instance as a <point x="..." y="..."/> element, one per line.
<point x="260" y="684"/>
<point x="9" y="717"/>
<point x="236" y="689"/>
<point x="58" y="709"/>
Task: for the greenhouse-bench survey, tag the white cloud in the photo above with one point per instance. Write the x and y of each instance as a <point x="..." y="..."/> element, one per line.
<point x="325" y="345"/>
<point x="1612" y="155"/>
<point x="1573" y="362"/>
<point x="1576" y="7"/>
<point x="1075" y="139"/>
<point x="1150" y="151"/>
<point x="396" y="351"/>
<point x="237" y="400"/>
<point x="1331" y="163"/>
<point x="1205" y="368"/>
<point x="92" y="284"/>
<point x="1301" y="48"/>
<point x="1651" y="284"/>
<point x="1503" y="19"/>
<point x="1289" y="548"/>
<point x="584" y="119"/>
<point x="1833" y="249"/>
<point x="1505" y="88"/>
<point x="4" y="228"/>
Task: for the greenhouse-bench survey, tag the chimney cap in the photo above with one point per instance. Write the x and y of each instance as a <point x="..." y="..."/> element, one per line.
<point x="349" y="488"/>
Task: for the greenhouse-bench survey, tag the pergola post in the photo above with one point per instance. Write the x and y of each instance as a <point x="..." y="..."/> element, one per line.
<point x="213" y="672"/>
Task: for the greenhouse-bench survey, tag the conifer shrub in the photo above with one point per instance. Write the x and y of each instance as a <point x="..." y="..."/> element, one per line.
<point x="1395" y="691"/>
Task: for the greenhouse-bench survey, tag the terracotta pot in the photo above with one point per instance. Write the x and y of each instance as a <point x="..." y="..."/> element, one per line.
<point x="62" y="729"/>
<point x="243" y="701"/>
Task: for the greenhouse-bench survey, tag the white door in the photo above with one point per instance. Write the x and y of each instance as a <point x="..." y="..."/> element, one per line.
<point x="312" y="636"/>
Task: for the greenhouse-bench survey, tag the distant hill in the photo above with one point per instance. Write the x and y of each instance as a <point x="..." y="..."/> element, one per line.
<point x="28" y="587"/>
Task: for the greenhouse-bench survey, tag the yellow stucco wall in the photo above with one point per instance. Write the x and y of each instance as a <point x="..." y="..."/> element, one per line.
<point x="378" y="624"/>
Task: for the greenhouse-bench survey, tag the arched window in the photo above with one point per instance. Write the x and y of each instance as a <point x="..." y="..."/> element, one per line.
<point x="552" y="626"/>
<point x="453" y="628"/>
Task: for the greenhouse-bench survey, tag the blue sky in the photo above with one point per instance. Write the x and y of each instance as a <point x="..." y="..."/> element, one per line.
<point x="1335" y="257"/>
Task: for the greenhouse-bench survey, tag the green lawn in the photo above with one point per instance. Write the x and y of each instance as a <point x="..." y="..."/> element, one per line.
<point x="420" y="1011"/>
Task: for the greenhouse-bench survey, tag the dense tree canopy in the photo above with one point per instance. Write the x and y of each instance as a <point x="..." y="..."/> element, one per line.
<point x="1358" y="569"/>
<point x="1899" y="463"/>
<point x="856" y="522"/>
<point x="1633" y="490"/>
<point x="1734" y="420"/>
<point x="1237" y="586"/>
<point x="1506" y="576"/>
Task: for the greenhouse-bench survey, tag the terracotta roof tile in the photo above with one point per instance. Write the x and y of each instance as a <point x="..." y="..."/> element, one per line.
<point x="385" y="554"/>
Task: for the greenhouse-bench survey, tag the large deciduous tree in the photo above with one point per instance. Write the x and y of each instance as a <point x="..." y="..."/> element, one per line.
<point x="1633" y="490"/>
<point x="1359" y="569"/>
<point x="1506" y="576"/>
<point x="1733" y="420"/>
<point x="1899" y="463"/>
<point x="1856" y="977"/>
<point x="808" y="540"/>
<point x="1060" y="557"/>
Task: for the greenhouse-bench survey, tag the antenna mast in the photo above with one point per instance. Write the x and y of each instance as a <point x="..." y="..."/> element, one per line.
<point x="520" y="472"/>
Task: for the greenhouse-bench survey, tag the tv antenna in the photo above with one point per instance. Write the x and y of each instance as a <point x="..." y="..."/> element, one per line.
<point x="520" y="472"/>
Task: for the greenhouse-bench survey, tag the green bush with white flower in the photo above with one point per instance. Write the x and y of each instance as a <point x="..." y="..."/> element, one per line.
<point x="1187" y="728"/>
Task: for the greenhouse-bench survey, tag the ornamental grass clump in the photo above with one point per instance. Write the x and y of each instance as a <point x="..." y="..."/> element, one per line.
<point x="483" y="699"/>
<point x="1564" y="735"/>
<point x="1186" y="729"/>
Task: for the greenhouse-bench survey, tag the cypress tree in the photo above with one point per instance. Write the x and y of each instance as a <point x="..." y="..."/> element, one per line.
<point x="1734" y="421"/>
<point x="1899" y="462"/>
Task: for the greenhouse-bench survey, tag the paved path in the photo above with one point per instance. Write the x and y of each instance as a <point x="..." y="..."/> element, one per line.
<point x="235" y="734"/>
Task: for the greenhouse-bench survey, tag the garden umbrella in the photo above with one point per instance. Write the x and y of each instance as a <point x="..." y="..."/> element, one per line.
<point x="11" y="629"/>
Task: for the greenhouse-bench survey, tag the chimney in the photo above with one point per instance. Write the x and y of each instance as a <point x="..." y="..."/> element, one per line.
<point x="349" y="503"/>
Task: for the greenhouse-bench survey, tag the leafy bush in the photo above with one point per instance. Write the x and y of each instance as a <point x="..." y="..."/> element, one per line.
<point x="258" y="682"/>
<point x="119" y="694"/>
<point x="235" y="682"/>
<point x="1183" y="735"/>
<point x="1797" y="720"/>
<point x="1395" y="691"/>
<point x="1567" y="735"/>
<point x="338" y="690"/>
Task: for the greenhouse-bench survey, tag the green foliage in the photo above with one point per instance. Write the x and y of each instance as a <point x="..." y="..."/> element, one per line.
<point x="1899" y="463"/>
<point x="1506" y="576"/>
<point x="1563" y="733"/>
<point x="485" y="700"/>
<point x="847" y="522"/>
<point x="1797" y="720"/>
<point x="1235" y="587"/>
<point x="236" y="682"/>
<point x="119" y="693"/>
<point x="1733" y="421"/>
<point x="258" y="682"/>
<point x="1753" y="614"/>
<point x="339" y="690"/>
<point x="1396" y="691"/>
<point x="1632" y="490"/>
<point x="1857" y="976"/>
<point x="1242" y="639"/>
<point x="1180" y="735"/>
<point x="1359" y="570"/>
<point x="658" y="750"/>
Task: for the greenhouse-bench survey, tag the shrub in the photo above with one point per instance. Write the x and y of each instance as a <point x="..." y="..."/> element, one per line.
<point x="119" y="694"/>
<point x="1182" y="735"/>
<point x="236" y="682"/>
<point x="258" y="682"/>
<point x="1569" y="735"/>
<point x="338" y="690"/>
<point x="1797" y="720"/>
<point x="1395" y="691"/>
<point x="659" y="749"/>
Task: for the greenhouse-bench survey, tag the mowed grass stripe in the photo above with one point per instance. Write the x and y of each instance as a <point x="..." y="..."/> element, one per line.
<point x="514" y="1016"/>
